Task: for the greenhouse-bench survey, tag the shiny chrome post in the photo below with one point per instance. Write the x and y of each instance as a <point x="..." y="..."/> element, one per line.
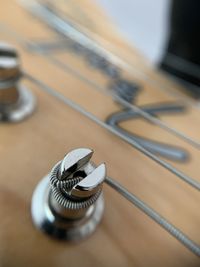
<point x="16" y="101"/>
<point x="68" y="203"/>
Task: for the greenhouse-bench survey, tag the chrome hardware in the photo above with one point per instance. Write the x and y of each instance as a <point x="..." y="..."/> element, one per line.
<point x="68" y="203"/>
<point x="16" y="102"/>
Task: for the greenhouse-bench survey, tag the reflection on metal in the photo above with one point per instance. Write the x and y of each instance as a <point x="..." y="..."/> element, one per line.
<point x="68" y="203"/>
<point x="16" y="102"/>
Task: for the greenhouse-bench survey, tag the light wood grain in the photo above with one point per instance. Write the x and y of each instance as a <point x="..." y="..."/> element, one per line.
<point x="28" y="150"/>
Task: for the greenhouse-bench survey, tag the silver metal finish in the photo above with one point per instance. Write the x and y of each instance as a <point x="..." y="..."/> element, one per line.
<point x="68" y="203"/>
<point x="74" y="160"/>
<point x="91" y="184"/>
<point x="16" y="102"/>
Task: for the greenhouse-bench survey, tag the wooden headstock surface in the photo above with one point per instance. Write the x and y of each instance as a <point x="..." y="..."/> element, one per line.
<point x="28" y="150"/>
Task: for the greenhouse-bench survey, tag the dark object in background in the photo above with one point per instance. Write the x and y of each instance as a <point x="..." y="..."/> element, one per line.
<point x="182" y="56"/>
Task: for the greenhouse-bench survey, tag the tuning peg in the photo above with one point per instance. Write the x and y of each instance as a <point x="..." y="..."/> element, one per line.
<point x="16" y="101"/>
<point x="68" y="203"/>
<point x="91" y="184"/>
<point x="74" y="160"/>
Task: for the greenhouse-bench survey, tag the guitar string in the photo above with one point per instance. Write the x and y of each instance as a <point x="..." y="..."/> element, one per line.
<point x="161" y="162"/>
<point x="189" y="180"/>
<point x="146" y="115"/>
<point x="133" y="199"/>
<point x="145" y="208"/>
<point x="59" y="24"/>
<point x="156" y="217"/>
<point x="180" y="236"/>
<point x="135" y="108"/>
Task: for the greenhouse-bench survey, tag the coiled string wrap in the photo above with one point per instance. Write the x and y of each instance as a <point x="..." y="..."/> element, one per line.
<point x="61" y="188"/>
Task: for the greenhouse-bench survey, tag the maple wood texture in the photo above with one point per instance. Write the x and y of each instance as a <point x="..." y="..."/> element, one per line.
<point x="28" y="150"/>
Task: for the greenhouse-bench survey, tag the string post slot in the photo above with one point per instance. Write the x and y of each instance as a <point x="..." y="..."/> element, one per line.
<point x="68" y="203"/>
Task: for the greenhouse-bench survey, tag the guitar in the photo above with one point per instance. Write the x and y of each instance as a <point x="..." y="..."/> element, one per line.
<point x="58" y="70"/>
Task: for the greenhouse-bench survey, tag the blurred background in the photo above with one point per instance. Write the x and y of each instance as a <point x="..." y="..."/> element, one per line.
<point x="167" y="32"/>
<point x="143" y="22"/>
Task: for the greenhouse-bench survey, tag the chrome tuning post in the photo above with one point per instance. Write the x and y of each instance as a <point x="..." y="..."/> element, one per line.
<point x="16" y="101"/>
<point x="68" y="203"/>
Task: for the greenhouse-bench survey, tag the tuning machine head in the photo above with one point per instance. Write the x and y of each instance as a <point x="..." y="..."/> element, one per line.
<point x="16" y="101"/>
<point x="68" y="203"/>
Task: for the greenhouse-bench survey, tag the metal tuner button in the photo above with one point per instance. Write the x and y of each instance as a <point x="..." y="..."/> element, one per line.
<point x="16" y="101"/>
<point x="68" y="203"/>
